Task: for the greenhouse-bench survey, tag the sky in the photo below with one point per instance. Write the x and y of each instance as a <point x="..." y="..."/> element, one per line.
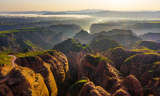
<point x="72" y="5"/>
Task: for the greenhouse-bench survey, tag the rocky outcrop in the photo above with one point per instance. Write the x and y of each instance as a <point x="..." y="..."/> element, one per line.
<point x="142" y="66"/>
<point x="121" y="92"/>
<point x="153" y="87"/>
<point x="53" y="66"/>
<point x="133" y="86"/>
<point x="89" y="89"/>
<point x="74" y="61"/>
<point x="118" y="55"/>
<point x="24" y="81"/>
<point x="100" y="71"/>
<point x="5" y="90"/>
<point x="130" y="86"/>
<point x="4" y="70"/>
<point x="76" y="88"/>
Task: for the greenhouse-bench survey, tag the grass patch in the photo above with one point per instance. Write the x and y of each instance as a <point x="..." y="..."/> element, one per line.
<point x="128" y="61"/>
<point x="71" y="45"/>
<point x="95" y="59"/>
<point x="31" y="44"/>
<point x="19" y="30"/>
<point x="5" y="59"/>
<point x="32" y="53"/>
<point x="36" y="53"/>
<point x="78" y="85"/>
<point x="155" y="79"/>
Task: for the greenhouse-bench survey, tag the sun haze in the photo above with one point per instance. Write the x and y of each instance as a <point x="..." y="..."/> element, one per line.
<point x="65" y="5"/>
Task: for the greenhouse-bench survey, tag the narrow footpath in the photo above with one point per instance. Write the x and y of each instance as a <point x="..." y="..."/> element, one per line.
<point x="13" y="66"/>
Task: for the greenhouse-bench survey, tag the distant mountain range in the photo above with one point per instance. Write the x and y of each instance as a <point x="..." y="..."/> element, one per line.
<point x="93" y="12"/>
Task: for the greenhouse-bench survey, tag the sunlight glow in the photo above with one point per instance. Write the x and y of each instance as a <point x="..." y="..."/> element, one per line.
<point x="88" y="31"/>
<point x="121" y="2"/>
<point x="65" y="5"/>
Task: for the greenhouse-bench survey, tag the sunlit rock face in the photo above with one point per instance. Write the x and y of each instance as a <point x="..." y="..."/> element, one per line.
<point x="54" y="68"/>
<point x="100" y="71"/>
<point x="24" y="81"/>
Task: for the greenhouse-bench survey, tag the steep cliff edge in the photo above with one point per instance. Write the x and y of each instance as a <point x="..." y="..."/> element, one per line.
<point x="118" y="55"/>
<point x="143" y="66"/>
<point x="24" y="81"/>
<point x="38" y="73"/>
<point x="53" y="66"/>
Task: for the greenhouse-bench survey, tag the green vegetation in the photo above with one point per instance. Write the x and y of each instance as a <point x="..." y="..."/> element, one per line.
<point x="36" y="53"/>
<point x="128" y="61"/>
<point x="25" y="50"/>
<point x="19" y="30"/>
<point x="71" y="45"/>
<point x="104" y="44"/>
<point x="155" y="79"/>
<point x="153" y="69"/>
<point x="120" y="37"/>
<point x="32" y="53"/>
<point x="34" y="38"/>
<point x="95" y="59"/>
<point x="139" y="57"/>
<point x="78" y="85"/>
<point x="145" y="46"/>
<point x="145" y="50"/>
<point x="117" y="50"/>
<point x="30" y="44"/>
<point x="4" y="58"/>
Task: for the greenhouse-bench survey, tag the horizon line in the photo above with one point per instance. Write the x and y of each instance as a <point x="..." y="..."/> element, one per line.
<point x="99" y="10"/>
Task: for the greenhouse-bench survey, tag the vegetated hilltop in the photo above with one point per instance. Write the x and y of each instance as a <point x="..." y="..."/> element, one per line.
<point x="124" y="39"/>
<point x="116" y="32"/>
<point x="31" y="38"/>
<point x="71" y="45"/>
<point x="150" y="45"/>
<point x="110" y="71"/>
<point x="69" y="29"/>
<point x="83" y="36"/>
<point x="140" y="27"/>
<point x="17" y="45"/>
<point x="151" y="37"/>
<point x="101" y="72"/>
<point x="122" y="36"/>
<point x="113" y="73"/>
<point x="118" y="55"/>
<point x="103" y="44"/>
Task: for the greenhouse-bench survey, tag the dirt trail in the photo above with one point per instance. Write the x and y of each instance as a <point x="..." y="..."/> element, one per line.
<point x="13" y="65"/>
